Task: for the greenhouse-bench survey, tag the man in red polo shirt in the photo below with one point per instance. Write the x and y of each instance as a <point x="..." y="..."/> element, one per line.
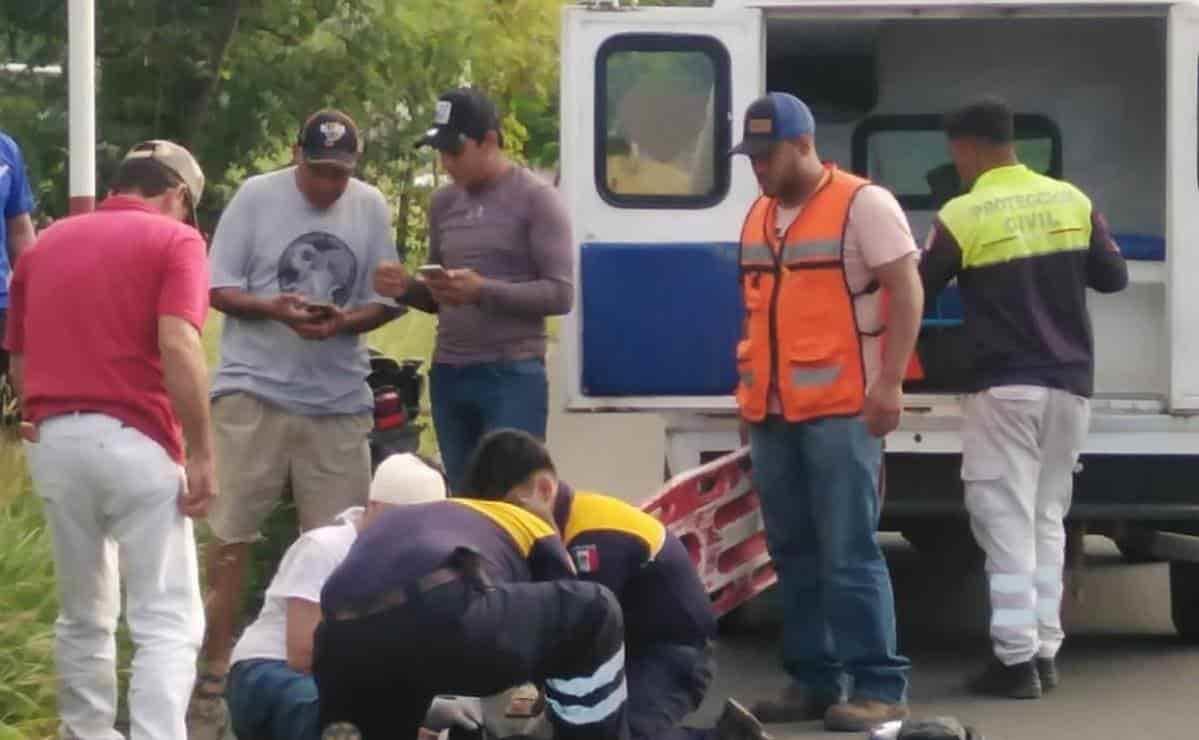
<point x="104" y="330"/>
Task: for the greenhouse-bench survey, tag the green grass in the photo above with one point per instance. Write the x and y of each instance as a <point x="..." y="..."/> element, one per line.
<point x="28" y="603"/>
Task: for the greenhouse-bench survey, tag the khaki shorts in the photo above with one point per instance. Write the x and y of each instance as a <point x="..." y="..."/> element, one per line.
<point x="261" y="448"/>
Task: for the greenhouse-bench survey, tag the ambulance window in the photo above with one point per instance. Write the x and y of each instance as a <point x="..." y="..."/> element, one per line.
<point x="661" y="129"/>
<point x="908" y="155"/>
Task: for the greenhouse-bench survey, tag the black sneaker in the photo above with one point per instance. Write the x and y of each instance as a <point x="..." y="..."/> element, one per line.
<point x="736" y="723"/>
<point x="1018" y="681"/>
<point x="1047" y="671"/>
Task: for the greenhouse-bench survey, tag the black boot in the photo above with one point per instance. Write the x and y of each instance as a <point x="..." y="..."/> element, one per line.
<point x="1047" y="670"/>
<point x="1018" y="681"/>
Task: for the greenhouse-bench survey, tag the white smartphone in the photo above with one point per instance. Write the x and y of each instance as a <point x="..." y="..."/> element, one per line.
<point x="436" y="271"/>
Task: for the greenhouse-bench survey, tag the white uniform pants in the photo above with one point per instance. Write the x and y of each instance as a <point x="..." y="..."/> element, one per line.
<point x="1020" y="445"/>
<point x="111" y="498"/>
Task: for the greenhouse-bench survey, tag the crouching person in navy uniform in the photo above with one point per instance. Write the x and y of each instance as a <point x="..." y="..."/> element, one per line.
<point x="470" y="598"/>
<point x="272" y="694"/>
<point x="668" y="617"/>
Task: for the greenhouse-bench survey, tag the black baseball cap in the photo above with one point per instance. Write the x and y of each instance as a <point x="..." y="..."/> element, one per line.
<point x="330" y="137"/>
<point x="464" y="113"/>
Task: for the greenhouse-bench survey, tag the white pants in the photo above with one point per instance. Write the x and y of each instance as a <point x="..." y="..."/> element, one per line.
<point x="111" y="497"/>
<point x="1020" y="445"/>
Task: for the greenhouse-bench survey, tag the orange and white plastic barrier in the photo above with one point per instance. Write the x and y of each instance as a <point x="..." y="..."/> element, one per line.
<point x="714" y="511"/>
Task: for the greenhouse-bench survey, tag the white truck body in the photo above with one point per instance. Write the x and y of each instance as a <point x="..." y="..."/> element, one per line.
<point x="1114" y="82"/>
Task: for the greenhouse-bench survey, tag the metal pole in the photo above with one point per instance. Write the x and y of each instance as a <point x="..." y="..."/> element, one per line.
<point x="81" y="80"/>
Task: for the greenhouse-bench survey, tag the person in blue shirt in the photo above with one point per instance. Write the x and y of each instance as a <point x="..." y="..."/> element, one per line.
<point x="16" y="228"/>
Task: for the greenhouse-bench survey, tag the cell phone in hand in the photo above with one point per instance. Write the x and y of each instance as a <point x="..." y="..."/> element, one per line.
<point x="434" y="271"/>
<point x="320" y="311"/>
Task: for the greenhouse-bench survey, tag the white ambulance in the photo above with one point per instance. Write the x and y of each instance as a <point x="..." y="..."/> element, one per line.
<point x="1107" y="96"/>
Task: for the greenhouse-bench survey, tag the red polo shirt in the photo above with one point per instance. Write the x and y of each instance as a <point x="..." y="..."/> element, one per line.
<point x="84" y="308"/>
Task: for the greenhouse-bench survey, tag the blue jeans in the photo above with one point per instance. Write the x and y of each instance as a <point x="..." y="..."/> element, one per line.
<point x="270" y="701"/>
<point x="471" y="400"/>
<point x="818" y="486"/>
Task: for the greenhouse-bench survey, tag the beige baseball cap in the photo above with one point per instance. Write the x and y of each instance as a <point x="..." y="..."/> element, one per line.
<point x="176" y="159"/>
<point x="405" y="479"/>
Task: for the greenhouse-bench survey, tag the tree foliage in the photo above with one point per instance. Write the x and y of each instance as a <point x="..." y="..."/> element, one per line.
<point x="233" y="80"/>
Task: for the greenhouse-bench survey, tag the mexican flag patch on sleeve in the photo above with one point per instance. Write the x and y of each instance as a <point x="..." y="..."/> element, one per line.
<point x="586" y="558"/>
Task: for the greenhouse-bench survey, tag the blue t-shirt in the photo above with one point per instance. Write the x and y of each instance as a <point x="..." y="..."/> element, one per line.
<point x="17" y="199"/>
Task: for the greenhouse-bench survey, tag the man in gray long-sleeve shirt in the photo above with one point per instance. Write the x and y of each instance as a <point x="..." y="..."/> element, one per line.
<point x="503" y="240"/>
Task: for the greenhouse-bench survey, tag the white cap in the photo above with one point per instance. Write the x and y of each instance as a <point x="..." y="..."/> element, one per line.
<point x="405" y="479"/>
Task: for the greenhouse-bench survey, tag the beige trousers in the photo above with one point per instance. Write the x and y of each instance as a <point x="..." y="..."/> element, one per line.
<point x="261" y="448"/>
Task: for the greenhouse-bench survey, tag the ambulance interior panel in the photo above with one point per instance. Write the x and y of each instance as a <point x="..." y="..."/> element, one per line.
<point x="1091" y="94"/>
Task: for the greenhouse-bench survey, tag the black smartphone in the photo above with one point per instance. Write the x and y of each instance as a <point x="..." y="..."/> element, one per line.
<point x="320" y="311"/>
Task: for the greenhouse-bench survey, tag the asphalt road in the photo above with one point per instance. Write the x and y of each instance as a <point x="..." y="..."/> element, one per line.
<point x="1125" y="676"/>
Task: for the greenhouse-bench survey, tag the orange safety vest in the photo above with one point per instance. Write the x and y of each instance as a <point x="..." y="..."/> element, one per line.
<point x="801" y="334"/>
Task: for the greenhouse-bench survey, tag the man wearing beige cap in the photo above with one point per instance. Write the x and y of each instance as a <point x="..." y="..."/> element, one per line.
<point x="104" y="331"/>
<point x="271" y="692"/>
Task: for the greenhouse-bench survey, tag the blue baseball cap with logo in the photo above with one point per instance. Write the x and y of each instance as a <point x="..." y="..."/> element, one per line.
<point x="772" y="118"/>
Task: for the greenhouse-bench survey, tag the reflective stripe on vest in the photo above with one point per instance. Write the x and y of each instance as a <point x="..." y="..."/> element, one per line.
<point x="757" y="255"/>
<point x="800" y="331"/>
<point x="817" y="250"/>
<point x="1014" y="213"/>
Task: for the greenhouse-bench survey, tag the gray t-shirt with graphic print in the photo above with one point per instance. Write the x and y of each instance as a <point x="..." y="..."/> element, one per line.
<point x="270" y="240"/>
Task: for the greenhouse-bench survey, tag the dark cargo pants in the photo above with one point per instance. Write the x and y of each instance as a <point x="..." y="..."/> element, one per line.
<point x="381" y="671"/>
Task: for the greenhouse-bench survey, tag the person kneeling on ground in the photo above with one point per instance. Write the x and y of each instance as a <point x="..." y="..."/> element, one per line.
<point x="669" y="622"/>
<point x="465" y="597"/>
<point x="272" y="694"/>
